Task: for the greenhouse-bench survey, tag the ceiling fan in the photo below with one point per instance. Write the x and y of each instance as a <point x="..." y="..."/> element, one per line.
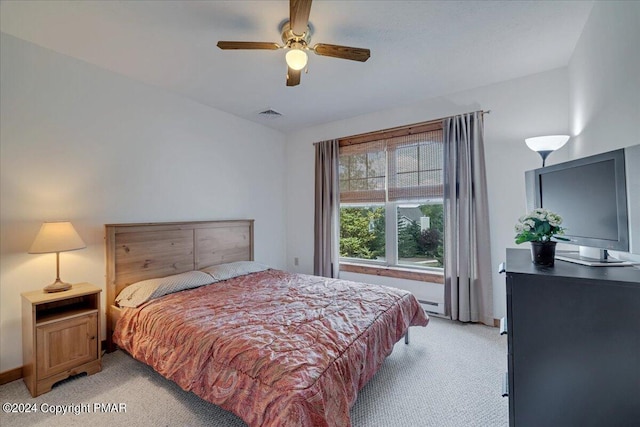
<point x="296" y="36"/>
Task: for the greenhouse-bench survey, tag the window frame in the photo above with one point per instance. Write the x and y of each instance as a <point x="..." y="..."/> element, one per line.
<point x="363" y="260"/>
<point x="398" y="204"/>
<point x="391" y="239"/>
<point x="390" y="267"/>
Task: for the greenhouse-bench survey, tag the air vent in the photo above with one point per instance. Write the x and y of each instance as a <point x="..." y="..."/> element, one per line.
<point x="270" y="114"/>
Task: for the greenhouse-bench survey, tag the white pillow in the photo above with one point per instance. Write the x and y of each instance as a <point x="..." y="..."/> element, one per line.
<point x="146" y="290"/>
<point x="234" y="269"/>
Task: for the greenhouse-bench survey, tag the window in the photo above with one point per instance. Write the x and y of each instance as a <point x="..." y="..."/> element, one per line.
<point x="420" y="235"/>
<point x="362" y="232"/>
<point x="391" y="188"/>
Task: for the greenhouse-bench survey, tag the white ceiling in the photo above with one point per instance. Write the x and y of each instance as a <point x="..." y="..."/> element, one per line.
<point x="419" y="49"/>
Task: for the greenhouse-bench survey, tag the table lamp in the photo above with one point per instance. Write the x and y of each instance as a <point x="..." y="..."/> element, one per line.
<point x="58" y="236"/>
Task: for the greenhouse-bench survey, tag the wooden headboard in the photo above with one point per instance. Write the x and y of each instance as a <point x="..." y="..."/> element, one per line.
<point x="145" y="251"/>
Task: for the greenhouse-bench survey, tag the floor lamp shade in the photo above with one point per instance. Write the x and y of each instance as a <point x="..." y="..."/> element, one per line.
<point x="545" y="145"/>
<point x="59" y="236"/>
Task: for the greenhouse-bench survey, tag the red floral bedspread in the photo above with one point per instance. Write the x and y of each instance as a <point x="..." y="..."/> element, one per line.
<point x="275" y="348"/>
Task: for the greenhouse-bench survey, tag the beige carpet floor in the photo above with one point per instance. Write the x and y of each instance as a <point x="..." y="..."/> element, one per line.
<point x="449" y="375"/>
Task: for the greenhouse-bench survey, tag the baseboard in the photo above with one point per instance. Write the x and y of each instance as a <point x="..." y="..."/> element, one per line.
<point x="10" y="375"/>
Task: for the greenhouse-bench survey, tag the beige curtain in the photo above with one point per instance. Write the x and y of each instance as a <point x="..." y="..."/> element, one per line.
<point x="468" y="287"/>
<point x="327" y="205"/>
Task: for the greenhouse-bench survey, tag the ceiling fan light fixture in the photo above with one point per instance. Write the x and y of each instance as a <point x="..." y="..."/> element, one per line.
<point x="296" y="59"/>
<point x="296" y="39"/>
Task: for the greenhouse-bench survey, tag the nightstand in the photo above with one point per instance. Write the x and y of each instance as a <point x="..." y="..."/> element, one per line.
<point x="60" y="335"/>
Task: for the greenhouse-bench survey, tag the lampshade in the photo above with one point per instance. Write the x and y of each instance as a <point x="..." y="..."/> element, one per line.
<point x="56" y="237"/>
<point x="545" y="145"/>
<point x="59" y="236"/>
<point x="296" y="58"/>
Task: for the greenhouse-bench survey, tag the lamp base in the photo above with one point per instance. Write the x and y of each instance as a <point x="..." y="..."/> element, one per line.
<point x="57" y="286"/>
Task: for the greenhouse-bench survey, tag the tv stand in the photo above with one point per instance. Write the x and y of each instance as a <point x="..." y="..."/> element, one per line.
<point x="573" y="344"/>
<point x="576" y="258"/>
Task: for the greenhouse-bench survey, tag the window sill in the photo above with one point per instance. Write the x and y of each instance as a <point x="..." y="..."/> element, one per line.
<point x="395" y="272"/>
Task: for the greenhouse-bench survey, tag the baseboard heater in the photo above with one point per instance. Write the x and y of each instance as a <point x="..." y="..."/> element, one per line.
<point x="432" y="307"/>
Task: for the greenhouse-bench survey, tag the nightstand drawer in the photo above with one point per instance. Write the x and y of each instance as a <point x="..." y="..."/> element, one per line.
<point x="65" y="344"/>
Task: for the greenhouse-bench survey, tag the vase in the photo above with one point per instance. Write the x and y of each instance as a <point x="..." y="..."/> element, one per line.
<point x="543" y="253"/>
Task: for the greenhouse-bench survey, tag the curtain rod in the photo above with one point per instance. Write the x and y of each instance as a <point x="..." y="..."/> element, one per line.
<point x="410" y="126"/>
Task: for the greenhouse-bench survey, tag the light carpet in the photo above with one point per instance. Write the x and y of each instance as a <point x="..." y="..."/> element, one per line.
<point x="449" y="375"/>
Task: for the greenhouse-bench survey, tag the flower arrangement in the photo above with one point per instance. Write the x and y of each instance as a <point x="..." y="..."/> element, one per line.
<point x="540" y="225"/>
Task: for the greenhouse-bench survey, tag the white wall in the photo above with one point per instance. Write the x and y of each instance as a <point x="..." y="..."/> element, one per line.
<point x="530" y="106"/>
<point x="604" y="80"/>
<point x="604" y="76"/>
<point x="429" y="293"/>
<point x="84" y="144"/>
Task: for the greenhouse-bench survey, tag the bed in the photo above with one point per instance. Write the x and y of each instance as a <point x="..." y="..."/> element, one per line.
<point x="275" y="348"/>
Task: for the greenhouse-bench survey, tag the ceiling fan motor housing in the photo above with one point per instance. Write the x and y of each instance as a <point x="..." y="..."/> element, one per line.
<point x="292" y="40"/>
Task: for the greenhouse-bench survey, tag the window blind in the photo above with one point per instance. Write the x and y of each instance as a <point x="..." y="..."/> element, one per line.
<point x="415" y="166"/>
<point x="363" y="173"/>
<point x="396" y="168"/>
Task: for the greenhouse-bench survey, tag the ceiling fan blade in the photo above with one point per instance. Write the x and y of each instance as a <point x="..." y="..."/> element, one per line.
<point x="343" y="52"/>
<point x="299" y="15"/>
<point x="293" y="77"/>
<point x="248" y="45"/>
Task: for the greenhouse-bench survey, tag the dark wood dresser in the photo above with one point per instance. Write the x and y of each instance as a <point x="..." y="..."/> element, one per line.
<point x="574" y="344"/>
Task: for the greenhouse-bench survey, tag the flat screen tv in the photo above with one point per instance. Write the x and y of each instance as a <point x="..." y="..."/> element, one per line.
<point x="590" y="194"/>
